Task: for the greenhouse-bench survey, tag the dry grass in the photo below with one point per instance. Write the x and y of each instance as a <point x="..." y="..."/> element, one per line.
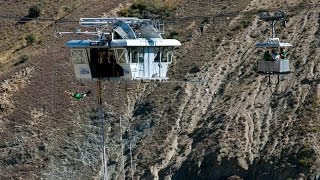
<point x="11" y="86"/>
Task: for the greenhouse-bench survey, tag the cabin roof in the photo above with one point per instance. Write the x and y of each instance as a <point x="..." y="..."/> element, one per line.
<point x="268" y="44"/>
<point x="124" y="43"/>
<point x="273" y="42"/>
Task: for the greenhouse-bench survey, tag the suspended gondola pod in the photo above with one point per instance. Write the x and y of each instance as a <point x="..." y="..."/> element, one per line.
<point x="275" y="60"/>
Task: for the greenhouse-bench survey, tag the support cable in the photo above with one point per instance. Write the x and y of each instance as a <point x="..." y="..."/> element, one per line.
<point x="101" y="117"/>
<point x="122" y="157"/>
<point x="131" y="164"/>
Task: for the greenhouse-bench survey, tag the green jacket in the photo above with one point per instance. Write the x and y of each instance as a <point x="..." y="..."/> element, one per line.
<point x="78" y="95"/>
<point x="283" y="55"/>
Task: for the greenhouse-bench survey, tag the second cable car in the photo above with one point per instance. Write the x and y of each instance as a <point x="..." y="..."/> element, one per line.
<point x="275" y="60"/>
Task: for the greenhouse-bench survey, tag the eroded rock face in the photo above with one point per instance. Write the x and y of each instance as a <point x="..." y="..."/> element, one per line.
<point x="231" y="125"/>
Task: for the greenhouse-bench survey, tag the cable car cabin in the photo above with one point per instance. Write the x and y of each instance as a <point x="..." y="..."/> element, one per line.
<point x="129" y="59"/>
<point x="131" y="49"/>
<point x="275" y="57"/>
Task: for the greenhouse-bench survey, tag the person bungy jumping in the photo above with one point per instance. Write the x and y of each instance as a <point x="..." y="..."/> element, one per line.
<point x="78" y="95"/>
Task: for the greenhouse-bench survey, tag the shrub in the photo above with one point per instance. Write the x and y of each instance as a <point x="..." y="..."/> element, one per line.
<point x="68" y="9"/>
<point x="245" y="23"/>
<point x="31" y="39"/>
<point x="306" y="156"/>
<point x="22" y="59"/>
<point x="34" y="11"/>
<point x="236" y="28"/>
<point x="194" y="70"/>
<point x="150" y="9"/>
<point x="173" y="35"/>
<point x="205" y="20"/>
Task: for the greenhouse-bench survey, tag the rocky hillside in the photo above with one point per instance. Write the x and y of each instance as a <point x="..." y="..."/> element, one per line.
<point x="231" y="125"/>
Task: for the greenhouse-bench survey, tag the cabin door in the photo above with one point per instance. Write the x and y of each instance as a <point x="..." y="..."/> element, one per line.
<point x="157" y="69"/>
<point x="162" y="57"/>
<point x="137" y="62"/>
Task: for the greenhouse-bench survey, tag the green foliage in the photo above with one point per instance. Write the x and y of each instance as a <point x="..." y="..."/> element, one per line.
<point x="314" y="129"/>
<point x="150" y="9"/>
<point x="297" y="64"/>
<point x="174" y="35"/>
<point x="34" y="11"/>
<point x="315" y="103"/>
<point x="245" y="23"/>
<point x="68" y="9"/>
<point x="306" y="156"/>
<point x="31" y="39"/>
<point x="205" y="20"/>
<point x="305" y="162"/>
<point x="194" y="70"/>
<point x="22" y="59"/>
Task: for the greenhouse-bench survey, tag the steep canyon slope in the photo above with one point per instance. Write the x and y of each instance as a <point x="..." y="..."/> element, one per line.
<point x="232" y="124"/>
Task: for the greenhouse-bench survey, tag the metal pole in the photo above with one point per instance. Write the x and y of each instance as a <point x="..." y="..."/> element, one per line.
<point x="159" y="65"/>
<point x="105" y="170"/>
<point x="273" y="29"/>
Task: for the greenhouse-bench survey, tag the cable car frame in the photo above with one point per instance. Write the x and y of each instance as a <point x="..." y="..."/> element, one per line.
<point x="274" y="65"/>
<point x="130" y="49"/>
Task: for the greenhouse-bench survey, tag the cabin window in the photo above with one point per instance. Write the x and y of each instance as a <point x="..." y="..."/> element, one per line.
<point x="104" y="63"/>
<point x="137" y="55"/>
<point x="157" y="53"/>
<point x="103" y="56"/>
<point x="170" y="54"/>
<point x="79" y="56"/>
<point x="166" y="54"/>
<point x="111" y="57"/>
<point x="163" y="53"/>
<point x="98" y="55"/>
<point x="121" y="55"/>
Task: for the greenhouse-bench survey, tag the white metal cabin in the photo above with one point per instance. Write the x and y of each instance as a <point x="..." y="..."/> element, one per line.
<point x="273" y="65"/>
<point x="280" y="65"/>
<point x="132" y="50"/>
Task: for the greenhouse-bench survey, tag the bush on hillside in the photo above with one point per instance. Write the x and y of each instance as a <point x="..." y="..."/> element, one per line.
<point x="150" y="9"/>
<point x="34" y="11"/>
<point x="31" y="39"/>
<point x="173" y="34"/>
<point x="69" y="9"/>
<point x="306" y="156"/>
<point x="22" y="59"/>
